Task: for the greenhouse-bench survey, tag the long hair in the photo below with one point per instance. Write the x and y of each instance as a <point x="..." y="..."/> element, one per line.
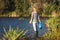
<point x="35" y="8"/>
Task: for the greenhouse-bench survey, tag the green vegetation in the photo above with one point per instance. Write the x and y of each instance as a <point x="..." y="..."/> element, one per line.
<point x="53" y="25"/>
<point x="23" y="8"/>
<point x="13" y="34"/>
<point x="49" y="9"/>
<point x="52" y="35"/>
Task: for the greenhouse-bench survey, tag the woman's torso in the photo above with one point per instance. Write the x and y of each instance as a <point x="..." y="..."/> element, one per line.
<point x="35" y="17"/>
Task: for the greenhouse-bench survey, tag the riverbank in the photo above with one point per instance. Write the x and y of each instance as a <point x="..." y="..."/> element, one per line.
<point x="25" y="17"/>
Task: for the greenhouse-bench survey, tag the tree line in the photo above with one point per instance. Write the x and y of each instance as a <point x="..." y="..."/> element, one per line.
<point x="25" y="6"/>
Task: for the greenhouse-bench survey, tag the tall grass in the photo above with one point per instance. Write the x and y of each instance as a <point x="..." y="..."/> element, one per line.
<point x="13" y="34"/>
<point x="53" y="25"/>
<point x="48" y="9"/>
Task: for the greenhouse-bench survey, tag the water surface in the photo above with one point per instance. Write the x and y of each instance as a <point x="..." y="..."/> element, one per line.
<point x="21" y="24"/>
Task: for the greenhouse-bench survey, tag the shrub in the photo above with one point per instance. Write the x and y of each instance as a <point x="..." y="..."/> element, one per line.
<point x="13" y="34"/>
<point x="48" y="9"/>
<point x="54" y="25"/>
<point x="52" y="35"/>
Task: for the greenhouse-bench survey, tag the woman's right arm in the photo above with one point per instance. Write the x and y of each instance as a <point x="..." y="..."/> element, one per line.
<point x="31" y="18"/>
<point x="32" y="15"/>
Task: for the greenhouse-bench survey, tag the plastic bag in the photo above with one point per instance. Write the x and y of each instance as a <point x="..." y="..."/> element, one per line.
<point x="39" y="25"/>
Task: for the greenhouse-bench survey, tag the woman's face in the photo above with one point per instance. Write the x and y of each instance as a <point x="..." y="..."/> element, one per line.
<point x="34" y="9"/>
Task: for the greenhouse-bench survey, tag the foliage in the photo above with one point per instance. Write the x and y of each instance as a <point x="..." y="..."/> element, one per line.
<point x="52" y="35"/>
<point x="13" y="34"/>
<point x="49" y="8"/>
<point x="53" y="23"/>
<point x="22" y="7"/>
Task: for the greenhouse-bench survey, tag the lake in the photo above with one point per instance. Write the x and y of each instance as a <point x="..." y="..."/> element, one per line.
<point x="21" y="23"/>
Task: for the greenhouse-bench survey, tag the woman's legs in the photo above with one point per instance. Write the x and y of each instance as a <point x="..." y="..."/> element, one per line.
<point x="35" y="29"/>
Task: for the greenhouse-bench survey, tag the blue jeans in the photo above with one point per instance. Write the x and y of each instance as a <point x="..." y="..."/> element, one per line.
<point x="35" y="29"/>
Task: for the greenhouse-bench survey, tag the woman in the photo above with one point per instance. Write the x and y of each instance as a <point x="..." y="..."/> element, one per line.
<point x="34" y="20"/>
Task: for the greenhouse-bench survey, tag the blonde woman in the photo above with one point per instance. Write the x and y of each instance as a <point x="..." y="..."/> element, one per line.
<point x="34" y="20"/>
